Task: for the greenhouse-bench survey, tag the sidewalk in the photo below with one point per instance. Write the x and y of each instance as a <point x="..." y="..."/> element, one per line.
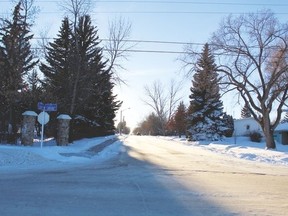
<point x="92" y="151"/>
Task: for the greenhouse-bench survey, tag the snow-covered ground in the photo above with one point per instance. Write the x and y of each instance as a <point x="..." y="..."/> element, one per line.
<point x="242" y="148"/>
<point x="27" y="157"/>
<point x="21" y="157"/>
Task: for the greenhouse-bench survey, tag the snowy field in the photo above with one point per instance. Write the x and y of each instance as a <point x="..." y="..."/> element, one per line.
<point x="21" y="157"/>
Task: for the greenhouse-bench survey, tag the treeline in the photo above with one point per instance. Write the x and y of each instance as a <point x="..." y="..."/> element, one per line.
<point x="75" y="76"/>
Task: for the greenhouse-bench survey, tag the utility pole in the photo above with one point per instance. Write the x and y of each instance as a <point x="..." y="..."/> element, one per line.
<point x="121" y="120"/>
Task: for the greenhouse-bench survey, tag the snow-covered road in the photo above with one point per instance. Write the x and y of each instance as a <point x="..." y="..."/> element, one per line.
<point x="151" y="177"/>
<point x="227" y="185"/>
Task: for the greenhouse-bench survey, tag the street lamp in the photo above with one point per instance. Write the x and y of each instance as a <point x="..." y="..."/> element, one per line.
<point x="120" y="124"/>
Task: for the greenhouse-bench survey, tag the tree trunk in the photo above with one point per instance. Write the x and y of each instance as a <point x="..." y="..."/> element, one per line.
<point x="75" y="83"/>
<point x="74" y="92"/>
<point x="268" y="132"/>
<point x="11" y="126"/>
<point x="270" y="142"/>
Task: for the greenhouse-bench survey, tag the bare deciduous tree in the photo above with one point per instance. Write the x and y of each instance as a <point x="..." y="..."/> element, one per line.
<point x="42" y="43"/>
<point x="163" y="103"/>
<point x="76" y="8"/>
<point x="252" y="51"/>
<point x="117" y="45"/>
<point x="173" y="98"/>
<point x="156" y="98"/>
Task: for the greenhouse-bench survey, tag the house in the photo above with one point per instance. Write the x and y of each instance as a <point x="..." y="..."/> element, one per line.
<point x="281" y="133"/>
<point x="243" y="127"/>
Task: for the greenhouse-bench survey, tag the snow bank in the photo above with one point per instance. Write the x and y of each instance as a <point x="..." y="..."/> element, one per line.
<point x="242" y="148"/>
<point x="50" y="154"/>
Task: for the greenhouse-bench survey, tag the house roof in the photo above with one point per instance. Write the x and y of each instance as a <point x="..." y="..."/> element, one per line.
<point x="282" y="127"/>
<point x="244" y="119"/>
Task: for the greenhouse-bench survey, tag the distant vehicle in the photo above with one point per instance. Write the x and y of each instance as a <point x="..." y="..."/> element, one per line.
<point x="138" y="134"/>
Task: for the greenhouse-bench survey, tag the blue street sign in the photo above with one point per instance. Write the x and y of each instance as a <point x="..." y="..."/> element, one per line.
<point x="40" y="106"/>
<point x="50" y="107"/>
<point x="47" y="107"/>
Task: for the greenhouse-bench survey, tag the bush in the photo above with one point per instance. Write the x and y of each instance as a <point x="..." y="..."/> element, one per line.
<point x="255" y="136"/>
<point x="228" y="132"/>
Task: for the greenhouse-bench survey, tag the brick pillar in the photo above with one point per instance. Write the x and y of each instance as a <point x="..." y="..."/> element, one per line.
<point x="63" y="130"/>
<point x="28" y="126"/>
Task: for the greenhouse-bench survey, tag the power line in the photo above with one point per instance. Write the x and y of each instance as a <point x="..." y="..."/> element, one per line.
<point x="137" y="51"/>
<point x="180" y="52"/>
<point x="174" y="2"/>
<point x="175" y="12"/>
<point x="195" y="2"/>
<point x="165" y="12"/>
<point x="135" y="41"/>
<point x="141" y="41"/>
<point x="150" y="51"/>
<point x="160" y="52"/>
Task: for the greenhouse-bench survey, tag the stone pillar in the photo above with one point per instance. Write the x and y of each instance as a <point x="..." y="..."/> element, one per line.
<point x="63" y="130"/>
<point x="28" y="126"/>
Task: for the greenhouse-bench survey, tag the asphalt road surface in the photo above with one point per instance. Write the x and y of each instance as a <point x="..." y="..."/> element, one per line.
<point x="149" y="177"/>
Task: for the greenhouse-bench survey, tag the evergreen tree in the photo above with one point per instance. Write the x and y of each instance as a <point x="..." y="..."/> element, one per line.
<point x="16" y="61"/>
<point x="100" y="103"/>
<point x="180" y="119"/>
<point x="171" y="127"/>
<point x="229" y="124"/>
<point x="77" y="78"/>
<point x="58" y="69"/>
<point x="245" y="112"/>
<point x="205" y="112"/>
<point x="33" y="91"/>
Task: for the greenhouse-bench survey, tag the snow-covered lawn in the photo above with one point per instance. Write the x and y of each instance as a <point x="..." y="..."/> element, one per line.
<point x="243" y="148"/>
<point x="25" y="157"/>
<point x="20" y="157"/>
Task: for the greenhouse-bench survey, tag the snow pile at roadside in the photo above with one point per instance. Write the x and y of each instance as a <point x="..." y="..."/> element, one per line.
<point x="51" y="154"/>
<point x="11" y="157"/>
<point x="242" y="148"/>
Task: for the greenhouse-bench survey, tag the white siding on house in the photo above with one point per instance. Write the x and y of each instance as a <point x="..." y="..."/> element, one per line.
<point x="243" y="127"/>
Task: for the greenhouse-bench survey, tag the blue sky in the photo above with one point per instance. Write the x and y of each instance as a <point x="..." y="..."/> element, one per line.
<point x="170" y="20"/>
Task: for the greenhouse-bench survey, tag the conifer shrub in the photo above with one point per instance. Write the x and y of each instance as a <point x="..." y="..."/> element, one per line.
<point x="255" y="136"/>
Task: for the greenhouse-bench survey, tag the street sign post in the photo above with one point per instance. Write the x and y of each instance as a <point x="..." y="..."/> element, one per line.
<point x="43" y="117"/>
